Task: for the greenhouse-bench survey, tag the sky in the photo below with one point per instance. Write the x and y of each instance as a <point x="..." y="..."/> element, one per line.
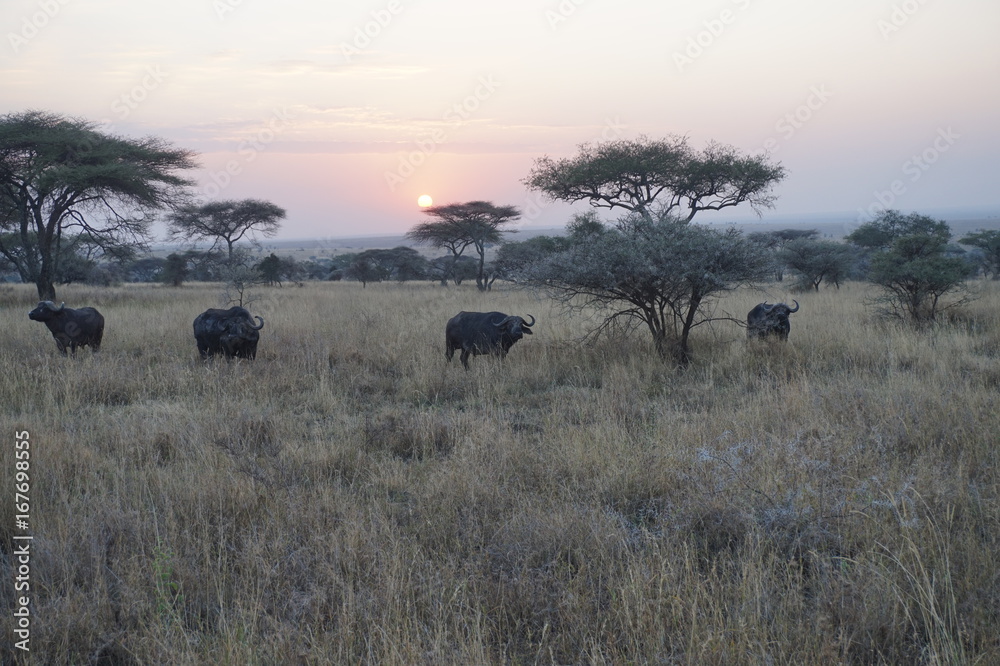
<point x="345" y="113"/>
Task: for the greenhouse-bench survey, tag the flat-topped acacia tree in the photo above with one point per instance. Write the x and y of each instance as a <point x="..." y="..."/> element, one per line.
<point x="63" y="178"/>
<point x="654" y="268"/>
<point x="457" y="226"/>
<point x="225" y="223"/>
<point x="658" y="176"/>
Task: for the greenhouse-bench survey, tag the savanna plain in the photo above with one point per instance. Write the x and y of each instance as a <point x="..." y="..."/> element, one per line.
<point x="351" y="497"/>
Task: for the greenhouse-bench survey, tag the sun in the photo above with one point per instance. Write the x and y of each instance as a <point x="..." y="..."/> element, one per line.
<point x="424" y="200"/>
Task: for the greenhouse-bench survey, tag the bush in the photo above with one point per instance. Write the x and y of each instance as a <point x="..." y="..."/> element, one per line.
<point x="911" y="265"/>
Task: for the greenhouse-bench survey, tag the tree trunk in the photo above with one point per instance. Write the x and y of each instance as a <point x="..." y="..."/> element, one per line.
<point x="660" y="344"/>
<point x="43" y="283"/>
<point x="454" y="269"/>
<point x="683" y="352"/>
<point x="658" y="330"/>
<point x="44" y="278"/>
<point x="480" y="277"/>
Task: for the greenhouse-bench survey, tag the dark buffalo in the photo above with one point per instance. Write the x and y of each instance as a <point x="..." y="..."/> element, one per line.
<point x="483" y="333"/>
<point x="228" y="332"/>
<point x="71" y="328"/>
<point x="765" y="320"/>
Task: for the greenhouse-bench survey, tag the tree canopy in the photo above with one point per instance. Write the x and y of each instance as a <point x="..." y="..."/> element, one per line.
<point x="664" y="176"/>
<point x="274" y="269"/>
<point x="225" y="223"/>
<point x="986" y="241"/>
<point x="911" y="264"/>
<point x="660" y="274"/>
<point x="815" y="261"/>
<point x="399" y="263"/>
<point x="457" y="226"/>
<point x="515" y="258"/>
<point x="62" y="177"/>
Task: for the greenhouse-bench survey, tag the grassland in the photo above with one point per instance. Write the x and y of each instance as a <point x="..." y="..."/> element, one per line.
<point x="352" y="498"/>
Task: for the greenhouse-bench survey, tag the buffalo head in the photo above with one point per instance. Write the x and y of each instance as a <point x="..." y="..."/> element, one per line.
<point x="46" y="311"/>
<point x="515" y="326"/>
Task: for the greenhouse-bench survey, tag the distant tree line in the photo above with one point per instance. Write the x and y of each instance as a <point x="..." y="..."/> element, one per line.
<point x="399" y="264"/>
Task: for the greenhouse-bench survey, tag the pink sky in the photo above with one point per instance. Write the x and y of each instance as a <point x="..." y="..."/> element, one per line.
<point x="344" y="113"/>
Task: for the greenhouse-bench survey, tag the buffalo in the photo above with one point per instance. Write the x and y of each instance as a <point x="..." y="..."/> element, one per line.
<point x="765" y="320"/>
<point x="228" y="332"/>
<point x="71" y="328"/>
<point x="483" y="333"/>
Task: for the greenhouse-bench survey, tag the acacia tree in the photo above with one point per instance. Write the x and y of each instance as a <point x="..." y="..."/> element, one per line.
<point x="61" y="178"/>
<point x="515" y="258"/>
<point x="269" y="269"/>
<point x="777" y="240"/>
<point x="662" y="274"/>
<point x="665" y="176"/>
<point x="988" y="242"/>
<point x="225" y="223"/>
<point x="911" y="265"/>
<point x="175" y="269"/>
<point x="447" y="267"/>
<point x="816" y="261"/>
<point x="457" y="226"/>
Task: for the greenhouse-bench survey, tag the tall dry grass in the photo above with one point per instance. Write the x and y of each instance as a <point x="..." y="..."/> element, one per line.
<point x="350" y="497"/>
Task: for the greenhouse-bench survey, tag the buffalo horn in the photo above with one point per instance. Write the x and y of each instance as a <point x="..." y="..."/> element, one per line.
<point x="796" y="306"/>
<point x="260" y="326"/>
<point x="532" y="322"/>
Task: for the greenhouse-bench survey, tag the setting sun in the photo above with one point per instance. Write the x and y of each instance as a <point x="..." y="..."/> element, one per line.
<point x="424" y="200"/>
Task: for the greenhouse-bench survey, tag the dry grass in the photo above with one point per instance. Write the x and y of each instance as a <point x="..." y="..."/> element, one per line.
<point x="350" y="497"/>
